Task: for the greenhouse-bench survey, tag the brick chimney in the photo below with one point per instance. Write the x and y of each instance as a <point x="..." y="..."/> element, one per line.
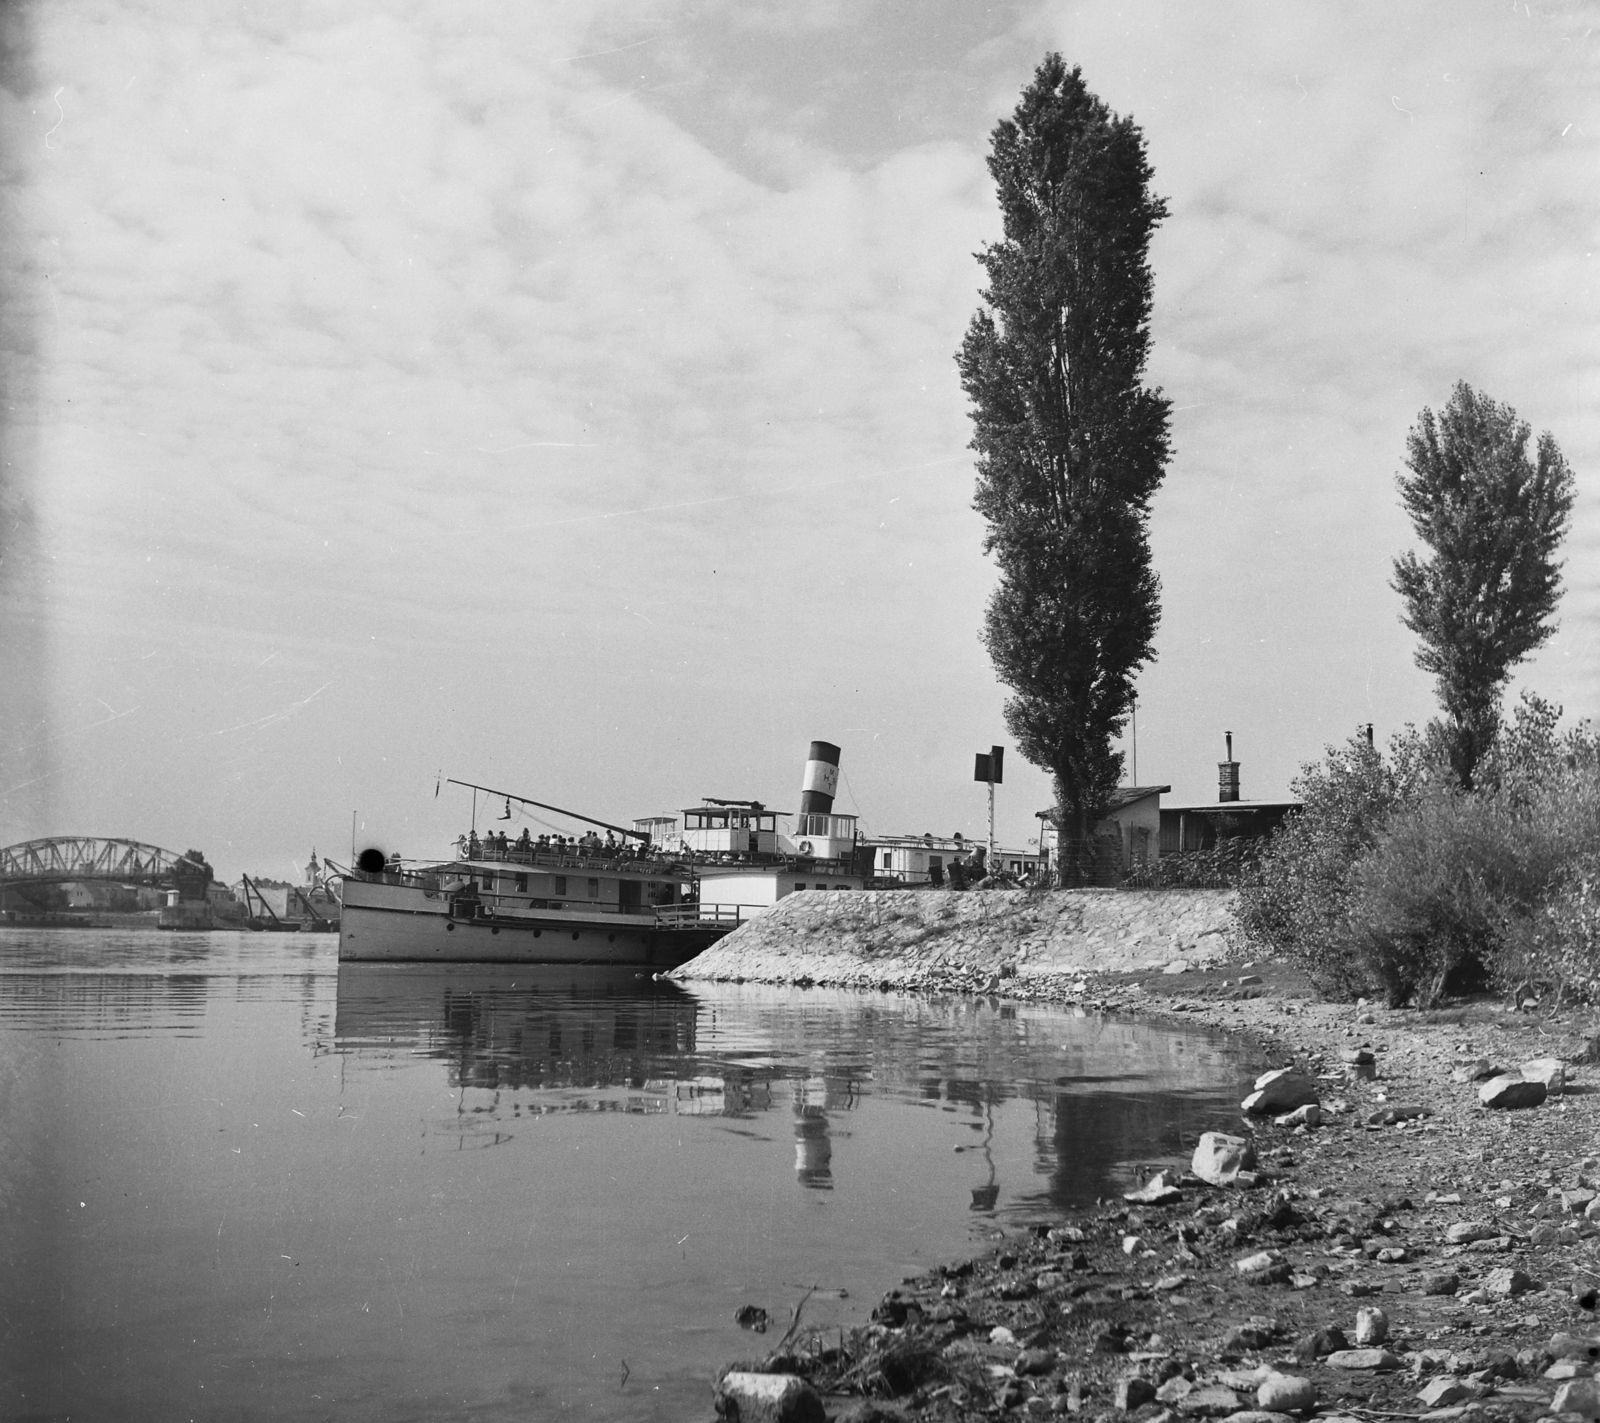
<point x="1228" y="774"/>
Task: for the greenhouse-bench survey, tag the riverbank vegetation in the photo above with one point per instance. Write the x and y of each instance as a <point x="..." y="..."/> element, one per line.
<point x="1396" y="881"/>
<point x="1469" y="855"/>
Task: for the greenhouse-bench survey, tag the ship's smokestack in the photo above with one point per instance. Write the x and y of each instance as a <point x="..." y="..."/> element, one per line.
<point x="821" y="779"/>
<point x="1228" y="774"/>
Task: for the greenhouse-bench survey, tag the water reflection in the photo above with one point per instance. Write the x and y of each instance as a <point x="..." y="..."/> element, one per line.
<point x="575" y="1038"/>
<point x="535" y="1028"/>
<point x="813" y="1152"/>
<point x="469" y="1192"/>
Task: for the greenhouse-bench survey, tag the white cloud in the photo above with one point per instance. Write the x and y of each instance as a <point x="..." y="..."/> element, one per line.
<point x="593" y="423"/>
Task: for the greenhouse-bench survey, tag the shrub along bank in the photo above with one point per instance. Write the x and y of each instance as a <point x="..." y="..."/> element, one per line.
<point x="1395" y="882"/>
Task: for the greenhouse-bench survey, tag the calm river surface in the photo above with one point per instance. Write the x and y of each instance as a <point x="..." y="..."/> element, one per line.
<point x="242" y="1183"/>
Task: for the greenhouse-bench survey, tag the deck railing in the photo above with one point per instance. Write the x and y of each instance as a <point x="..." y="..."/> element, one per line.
<point x="699" y="916"/>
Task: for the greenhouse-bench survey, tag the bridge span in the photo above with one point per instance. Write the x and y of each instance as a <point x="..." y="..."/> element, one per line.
<point x="69" y="859"/>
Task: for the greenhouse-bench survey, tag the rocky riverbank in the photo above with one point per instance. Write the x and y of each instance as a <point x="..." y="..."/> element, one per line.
<point x="940" y="939"/>
<point x="1402" y="1251"/>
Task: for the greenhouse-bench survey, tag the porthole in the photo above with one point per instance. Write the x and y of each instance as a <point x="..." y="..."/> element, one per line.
<point x="495" y="929"/>
<point x="537" y="932"/>
<point x="574" y="933"/>
<point x="611" y="938"/>
<point x="449" y="928"/>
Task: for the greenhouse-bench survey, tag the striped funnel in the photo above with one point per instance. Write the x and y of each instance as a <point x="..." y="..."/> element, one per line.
<point x="821" y="779"/>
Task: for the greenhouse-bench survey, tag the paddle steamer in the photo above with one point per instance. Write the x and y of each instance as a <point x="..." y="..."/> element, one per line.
<point x="656" y="897"/>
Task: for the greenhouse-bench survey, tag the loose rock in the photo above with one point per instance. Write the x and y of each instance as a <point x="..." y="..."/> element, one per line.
<point x="1549" y="1070"/>
<point x="1511" y="1093"/>
<point x="1134" y="1393"/>
<point x="1506" y="1283"/>
<point x="1375" y="1359"/>
<point x="1220" y="1158"/>
<point x="1213" y="1401"/>
<point x="1280" y="1091"/>
<point x="1328" y="1340"/>
<point x="1160" y="1190"/>
<point x="1372" y="1326"/>
<point x="768" y="1398"/>
<point x="1285" y="1393"/>
<point x="1581" y="1396"/>
<point x="1442" y="1392"/>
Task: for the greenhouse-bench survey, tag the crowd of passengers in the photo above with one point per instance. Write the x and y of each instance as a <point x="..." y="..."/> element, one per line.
<point x="495" y="846"/>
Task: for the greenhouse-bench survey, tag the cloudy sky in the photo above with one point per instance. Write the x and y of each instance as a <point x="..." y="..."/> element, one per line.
<point x="561" y="396"/>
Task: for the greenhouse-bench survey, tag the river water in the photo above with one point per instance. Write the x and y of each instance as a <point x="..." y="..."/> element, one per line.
<point x="243" y="1183"/>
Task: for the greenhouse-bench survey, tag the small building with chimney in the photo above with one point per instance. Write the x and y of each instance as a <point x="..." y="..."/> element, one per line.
<point x="1203" y="825"/>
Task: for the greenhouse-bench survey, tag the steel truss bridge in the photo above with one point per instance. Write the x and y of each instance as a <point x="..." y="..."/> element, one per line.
<point x="67" y="859"/>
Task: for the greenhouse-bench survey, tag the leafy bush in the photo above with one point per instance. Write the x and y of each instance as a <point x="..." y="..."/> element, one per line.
<point x="1294" y="900"/>
<point x="1392" y="881"/>
<point x="1220" y="868"/>
<point x="1557" y="947"/>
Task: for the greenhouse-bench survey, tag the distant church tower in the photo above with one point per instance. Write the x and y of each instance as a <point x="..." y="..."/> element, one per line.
<point x="313" y="871"/>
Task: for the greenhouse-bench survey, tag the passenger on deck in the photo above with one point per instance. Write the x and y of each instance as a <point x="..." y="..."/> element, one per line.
<point x="524" y="843"/>
<point x="472" y="846"/>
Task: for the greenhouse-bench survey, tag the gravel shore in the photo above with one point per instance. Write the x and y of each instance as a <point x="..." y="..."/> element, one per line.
<point x="1414" y="1255"/>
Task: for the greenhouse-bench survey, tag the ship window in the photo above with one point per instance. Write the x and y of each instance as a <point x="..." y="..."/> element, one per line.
<point x="522" y="884"/>
<point x="594" y="889"/>
<point x="799" y="887"/>
<point x="561" y="884"/>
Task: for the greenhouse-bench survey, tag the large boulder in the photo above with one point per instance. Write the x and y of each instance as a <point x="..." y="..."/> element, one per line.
<point x="1509" y="1092"/>
<point x="1280" y="1091"/>
<point x="768" y="1398"/>
<point x="1219" y="1158"/>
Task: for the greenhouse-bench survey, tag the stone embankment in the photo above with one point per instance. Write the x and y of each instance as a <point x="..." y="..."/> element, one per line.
<point x="920" y="939"/>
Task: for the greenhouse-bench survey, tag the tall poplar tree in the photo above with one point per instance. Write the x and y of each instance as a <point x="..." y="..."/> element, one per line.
<point x="1071" y="444"/>
<point x="1494" y="520"/>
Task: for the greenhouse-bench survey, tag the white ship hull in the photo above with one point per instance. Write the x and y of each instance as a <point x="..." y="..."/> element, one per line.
<point x="384" y="921"/>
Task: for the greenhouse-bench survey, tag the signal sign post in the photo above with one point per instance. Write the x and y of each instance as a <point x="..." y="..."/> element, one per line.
<point x="990" y="766"/>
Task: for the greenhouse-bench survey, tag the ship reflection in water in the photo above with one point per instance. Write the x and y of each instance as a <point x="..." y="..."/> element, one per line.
<point x="562" y="1039"/>
<point x="490" y="1192"/>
